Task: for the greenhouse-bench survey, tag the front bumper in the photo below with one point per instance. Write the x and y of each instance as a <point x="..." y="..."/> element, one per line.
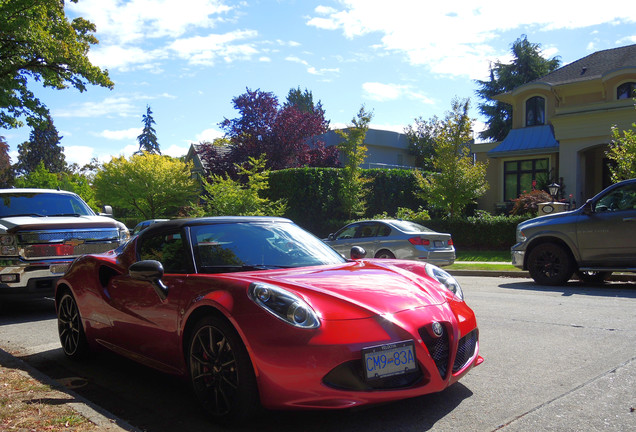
<point x="518" y="257"/>
<point x="21" y="280"/>
<point x="325" y="371"/>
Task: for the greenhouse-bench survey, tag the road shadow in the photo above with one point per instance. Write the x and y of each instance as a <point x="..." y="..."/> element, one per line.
<point x="28" y="311"/>
<point x="155" y="402"/>
<point x="607" y="289"/>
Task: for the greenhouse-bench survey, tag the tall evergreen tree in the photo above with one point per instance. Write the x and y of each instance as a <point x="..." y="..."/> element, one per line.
<point x="43" y="146"/>
<point x="148" y="139"/>
<point x="6" y="170"/>
<point x="527" y="65"/>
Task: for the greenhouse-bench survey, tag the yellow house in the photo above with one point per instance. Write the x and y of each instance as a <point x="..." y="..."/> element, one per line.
<point x="561" y="129"/>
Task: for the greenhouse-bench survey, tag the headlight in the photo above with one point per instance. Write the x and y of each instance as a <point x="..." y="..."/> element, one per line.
<point x="7" y="245"/>
<point x="124" y="235"/>
<point x="443" y="277"/>
<point x="521" y="237"/>
<point x="283" y="305"/>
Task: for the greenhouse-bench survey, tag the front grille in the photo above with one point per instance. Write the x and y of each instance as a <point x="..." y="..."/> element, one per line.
<point x="54" y="236"/>
<point x="350" y="376"/>
<point x="438" y="349"/>
<point x="465" y="350"/>
<point x="65" y="243"/>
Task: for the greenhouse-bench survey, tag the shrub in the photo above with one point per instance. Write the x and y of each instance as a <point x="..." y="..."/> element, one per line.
<point x="528" y="203"/>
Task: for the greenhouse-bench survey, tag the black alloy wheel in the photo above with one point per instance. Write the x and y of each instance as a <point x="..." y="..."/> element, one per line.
<point x="221" y="372"/>
<point x="69" y="326"/>
<point x="550" y="264"/>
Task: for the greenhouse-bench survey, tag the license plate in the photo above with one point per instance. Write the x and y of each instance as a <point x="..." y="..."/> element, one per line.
<point x="438" y="243"/>
<point x="388" y="360"/>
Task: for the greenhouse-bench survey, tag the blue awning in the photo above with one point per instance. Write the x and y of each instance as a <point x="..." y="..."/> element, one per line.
<point x="527" y="141"/>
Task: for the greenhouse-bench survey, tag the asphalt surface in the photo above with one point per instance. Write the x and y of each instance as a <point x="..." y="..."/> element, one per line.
<point x="604" y="385"/>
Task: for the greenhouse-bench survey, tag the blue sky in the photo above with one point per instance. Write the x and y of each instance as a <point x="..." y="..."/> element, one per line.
<point x="402" y="59"/>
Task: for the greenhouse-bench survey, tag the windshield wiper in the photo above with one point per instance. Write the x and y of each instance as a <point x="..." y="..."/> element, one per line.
<point x="66" y="214"/>
<point x="24" y="214"/>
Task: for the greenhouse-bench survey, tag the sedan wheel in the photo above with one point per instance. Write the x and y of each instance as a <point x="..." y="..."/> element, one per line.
<point x="69" y="326"/>
<point x="385" y="254"/>
<point x="221" y="372"/>
<point x="550" y="264"/>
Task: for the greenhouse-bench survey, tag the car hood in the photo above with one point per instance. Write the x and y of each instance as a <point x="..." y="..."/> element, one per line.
<point x="359" y="289"/>
<point x="10" y="224"/>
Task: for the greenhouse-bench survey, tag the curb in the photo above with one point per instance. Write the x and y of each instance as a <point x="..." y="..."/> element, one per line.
<point x="616" y="277"/>
<point x="105" y="420"/>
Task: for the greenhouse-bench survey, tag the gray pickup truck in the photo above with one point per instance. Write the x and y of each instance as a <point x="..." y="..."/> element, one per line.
<point x="592" y="241"/>
<point x="41" y="232"/>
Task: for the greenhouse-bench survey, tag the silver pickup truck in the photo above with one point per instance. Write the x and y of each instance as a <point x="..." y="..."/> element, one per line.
<point x="41" y="232"/>
<point x="592" y="241"/>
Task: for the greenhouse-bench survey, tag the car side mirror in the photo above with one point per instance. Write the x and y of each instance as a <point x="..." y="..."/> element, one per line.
<point x="330" y="237"/>
<point x="150" y="271"/>
<point x="357" y="252"/>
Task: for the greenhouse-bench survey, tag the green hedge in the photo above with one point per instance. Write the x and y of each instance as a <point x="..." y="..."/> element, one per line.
<point x="312" y="195"/>
<point x="485" y="233"/>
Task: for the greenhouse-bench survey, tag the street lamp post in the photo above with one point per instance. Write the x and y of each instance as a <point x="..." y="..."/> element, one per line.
<point x="554" y="190"/>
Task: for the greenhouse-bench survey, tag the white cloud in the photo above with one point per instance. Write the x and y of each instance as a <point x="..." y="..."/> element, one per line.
<point x="311" y="69"/>
<point x="208" y="135"/>
<point x="204" y="50"/>
<point x="125" y="134"/>
<point x="457" y="38"/>
<point x="387" y="92"/>
<point x="81" y="155"/>
<point x="175" y="151"/>
<point x="120" y="106"/>
<point x="131" y="21"/>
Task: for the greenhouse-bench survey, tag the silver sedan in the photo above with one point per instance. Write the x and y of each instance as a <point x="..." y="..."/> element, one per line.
<point x="391" y="238"/>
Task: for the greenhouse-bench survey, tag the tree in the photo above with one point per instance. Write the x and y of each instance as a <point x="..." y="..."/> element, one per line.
<point x="421" y="138"/>
<point x="282" y="134"/>
<point x="622" y="152"/>
<point x="6" y="170"/>
<point x="152" y="185"/>
<point x="457" y="179"/>
<point x="227" y="197"/>
<point x="38" y="43"/>
<point x="41" y="178"/>
<point x="527" y="65"/>
<point x="355" y="152"/>
<point x="43" y="147"/>
<point x="148" y="137"/>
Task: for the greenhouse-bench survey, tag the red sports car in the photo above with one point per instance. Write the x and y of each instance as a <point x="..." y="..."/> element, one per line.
<point x="256" y="312"/>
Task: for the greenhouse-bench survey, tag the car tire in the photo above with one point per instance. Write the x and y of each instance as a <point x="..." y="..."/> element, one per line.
<point x="221" y="373"/>
<point x="593" y="277"/>
<point x="70" y="328"/>
<point x="385" y="254"/>
<point x="550" y="264"/>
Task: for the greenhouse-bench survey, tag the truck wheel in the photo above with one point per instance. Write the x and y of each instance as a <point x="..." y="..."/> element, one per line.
<point x="550" y="264"/>
<point x="593" y="277"/>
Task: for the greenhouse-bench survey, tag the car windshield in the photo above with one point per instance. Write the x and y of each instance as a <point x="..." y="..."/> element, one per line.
<point x="42" y="204"/>
<point x="252" y="246"/>
<point x="410" y="227"/>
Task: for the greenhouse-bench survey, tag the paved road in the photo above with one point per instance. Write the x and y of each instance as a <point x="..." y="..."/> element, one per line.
<point x="560" y="359"/>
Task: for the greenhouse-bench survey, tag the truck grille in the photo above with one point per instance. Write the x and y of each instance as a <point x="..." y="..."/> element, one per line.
<point x="50" y="244"/>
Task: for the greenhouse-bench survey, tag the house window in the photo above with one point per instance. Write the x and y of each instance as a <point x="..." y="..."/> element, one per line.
<point x="518" y="176"/>
<point x="626" y="91"/>
<point x="535" y="111"/>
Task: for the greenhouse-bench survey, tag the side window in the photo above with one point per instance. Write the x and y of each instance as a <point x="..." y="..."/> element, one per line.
<point x="384" y="230"/>
<point x="535" y="111"/>
<point x="369" y="230"/>
<point x="348" y="232"/>
<point x="626" y="91"/>
<point x="168" y="249"/>
<point x="621" y="199"/>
